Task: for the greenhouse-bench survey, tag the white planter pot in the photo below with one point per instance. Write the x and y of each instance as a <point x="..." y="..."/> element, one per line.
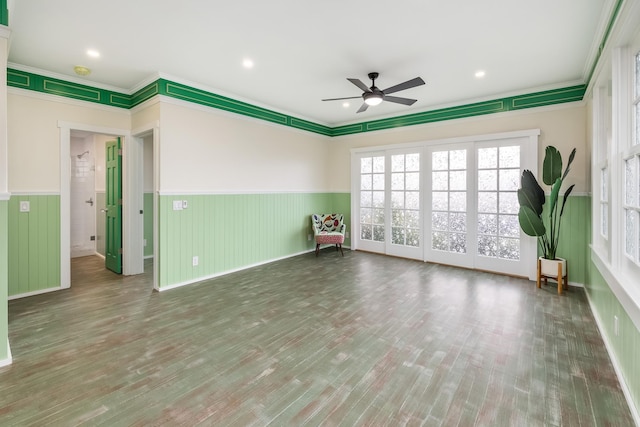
<point x="549" y="267"/>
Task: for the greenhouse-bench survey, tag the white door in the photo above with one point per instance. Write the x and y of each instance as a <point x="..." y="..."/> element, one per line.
<point x="404" y="214"/>
<point x="369" y="227"/>
<point x="449" y="205"/>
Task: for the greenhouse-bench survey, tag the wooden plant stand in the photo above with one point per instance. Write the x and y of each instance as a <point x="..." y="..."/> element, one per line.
<point x="563" y="282"/>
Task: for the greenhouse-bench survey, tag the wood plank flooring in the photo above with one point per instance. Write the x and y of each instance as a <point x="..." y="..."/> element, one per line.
<point x="357" y="340"/>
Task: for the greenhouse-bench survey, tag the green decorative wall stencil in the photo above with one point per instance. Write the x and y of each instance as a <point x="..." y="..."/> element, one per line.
<point x="39" y="83"/>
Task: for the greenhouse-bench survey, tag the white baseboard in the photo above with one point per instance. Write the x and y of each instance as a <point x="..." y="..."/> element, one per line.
<point x="9" y="359"/>
<point x="30" y="294"/>
<point x="616" y="367"/>
<point x="203" y="278"/>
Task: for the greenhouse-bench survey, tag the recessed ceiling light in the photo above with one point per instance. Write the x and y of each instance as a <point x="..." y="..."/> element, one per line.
<point x="93" y="53"/>
<point x="346" y="104"/>
<point x="247" y="63"/>
<point x="480" y="74"/>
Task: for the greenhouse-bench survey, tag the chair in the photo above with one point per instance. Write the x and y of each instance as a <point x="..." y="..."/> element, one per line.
<point x="328" y="229"/>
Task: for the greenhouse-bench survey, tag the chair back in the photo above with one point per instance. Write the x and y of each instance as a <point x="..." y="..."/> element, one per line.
<point x="328" y="223"/>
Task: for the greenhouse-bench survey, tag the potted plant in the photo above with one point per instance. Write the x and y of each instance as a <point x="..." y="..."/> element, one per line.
<point x="545" y="223"/>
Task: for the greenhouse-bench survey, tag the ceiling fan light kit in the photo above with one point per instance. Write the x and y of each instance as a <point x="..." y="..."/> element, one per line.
<point x="373" y="96"/>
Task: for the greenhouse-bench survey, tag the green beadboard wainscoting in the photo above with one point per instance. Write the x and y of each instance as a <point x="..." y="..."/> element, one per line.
<point x="574" y="237"/>
<point x="148" y="224"/>
<point x="233" y="231"/>
<point x="624" y="349"/>
<point x="4" y="308"/>
<point x="34" y="244"/>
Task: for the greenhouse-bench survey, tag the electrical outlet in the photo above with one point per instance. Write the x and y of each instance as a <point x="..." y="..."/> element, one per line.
<point x="616" y="326"/>
<point x="25" y="206"/>
<point x="346" y="235"/>
<point x="309" y="237"/>
<point x="144" y="242"/>
<point x="195" y="260"/>
<point x="185" y="205"/>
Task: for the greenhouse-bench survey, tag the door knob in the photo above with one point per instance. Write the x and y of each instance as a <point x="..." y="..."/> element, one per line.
<point x="90" y="201"/>
<point x="104" y="210"/>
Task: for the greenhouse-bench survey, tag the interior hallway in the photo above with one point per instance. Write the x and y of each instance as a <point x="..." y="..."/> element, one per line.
<point x="362" y="339"/>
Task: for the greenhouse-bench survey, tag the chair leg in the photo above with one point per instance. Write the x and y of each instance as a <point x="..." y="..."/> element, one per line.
<point x="341" y="249"/>
<point x="317" y="248"/>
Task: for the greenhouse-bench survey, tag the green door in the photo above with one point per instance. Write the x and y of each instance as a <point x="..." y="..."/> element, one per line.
<point x="113" y="244"/>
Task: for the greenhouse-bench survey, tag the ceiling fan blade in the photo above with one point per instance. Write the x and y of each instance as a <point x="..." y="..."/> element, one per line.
<point x="399" y="100"/>
<point x="406" y="85"/>
<point x="361" y="85"/>
<point x="363" y="107"/>
<point x="339" y="99"/>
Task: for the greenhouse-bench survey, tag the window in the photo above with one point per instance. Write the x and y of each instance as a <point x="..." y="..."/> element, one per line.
<point x="604" y="202"/>
<point x="372" y="191"/>
<point x="631" y="176"/>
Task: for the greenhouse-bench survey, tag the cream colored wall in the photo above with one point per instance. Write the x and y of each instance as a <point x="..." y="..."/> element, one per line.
<point x="34" y="137"/>
<point x="146" y="115"/>
<point x="561" y="126"/>
<point x="208" y="151"/>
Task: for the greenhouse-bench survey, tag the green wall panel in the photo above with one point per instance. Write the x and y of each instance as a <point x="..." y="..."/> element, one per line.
<point x="34" y="244"/>
<point x="4" y="319"/>
<point x="148" y="224"/>
<point x="229" y="232"/>
<point x="626" y="346"/>
<point x="575" y="237"/>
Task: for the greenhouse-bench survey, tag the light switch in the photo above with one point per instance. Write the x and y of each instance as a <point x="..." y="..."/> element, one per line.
<point x="25" y="206"/>
<point x="185" y="205"/>
<point x="177" y="205"/>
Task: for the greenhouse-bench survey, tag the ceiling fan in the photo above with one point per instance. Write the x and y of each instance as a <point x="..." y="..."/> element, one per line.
<point x="374" y="96"/>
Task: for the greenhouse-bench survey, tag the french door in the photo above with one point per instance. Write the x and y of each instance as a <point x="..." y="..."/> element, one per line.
<point x="452" y="203"/>
<point x="389" y="203"/>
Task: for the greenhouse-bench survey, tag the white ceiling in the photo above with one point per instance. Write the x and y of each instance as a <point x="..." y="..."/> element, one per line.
<point x="304" y="50"/>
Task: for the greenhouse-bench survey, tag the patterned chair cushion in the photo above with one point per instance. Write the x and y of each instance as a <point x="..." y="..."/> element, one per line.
<point x="328" y="228"/>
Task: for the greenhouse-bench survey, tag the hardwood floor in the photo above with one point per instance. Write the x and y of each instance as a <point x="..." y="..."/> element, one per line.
<point x="362" y="339"/>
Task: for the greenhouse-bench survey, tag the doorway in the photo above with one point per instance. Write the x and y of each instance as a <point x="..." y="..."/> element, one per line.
<point x="136" y="216"/>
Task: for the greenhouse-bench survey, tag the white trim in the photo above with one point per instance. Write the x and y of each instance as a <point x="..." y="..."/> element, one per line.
<point x="30" y="294"/>
<point x="5" y="197"/>
<point x="239" y="116"/>
<point x="9" y="360"/>
<point x="5" y="32"/>
<point x="235" y="270"/>
<point x="148" y="257"/>
<point x="453" y="140"/>
<point x="471" y="119"/>
<point x="243" y="192"/>
<point x="614" y="361"/>
<point x="66" y="78"/>
<point x="65" y="100"/>
<point x="237" y="97"/>
<point x="35" y="193"/>
<point x="627" y="294"/>
<point x="65" y="189"/>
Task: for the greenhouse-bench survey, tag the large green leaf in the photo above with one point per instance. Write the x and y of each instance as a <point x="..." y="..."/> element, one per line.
<point x="552" y="165"/>
<point x="530" y="185"/>
<point x="566" y="196"/>
<point x="530" y="222"/>
<point x="527" y="198"/>
<point x="571" y="157"/>
<point x="553" y="197"/>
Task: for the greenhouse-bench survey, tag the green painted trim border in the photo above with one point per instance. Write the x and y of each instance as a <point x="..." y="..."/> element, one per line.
<point x="38" y="83"/>
<point x="605" y="37"/>
<point x="4" y="13"/>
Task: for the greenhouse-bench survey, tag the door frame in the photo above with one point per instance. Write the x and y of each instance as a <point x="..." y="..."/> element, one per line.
<point x="133" y="262"/>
